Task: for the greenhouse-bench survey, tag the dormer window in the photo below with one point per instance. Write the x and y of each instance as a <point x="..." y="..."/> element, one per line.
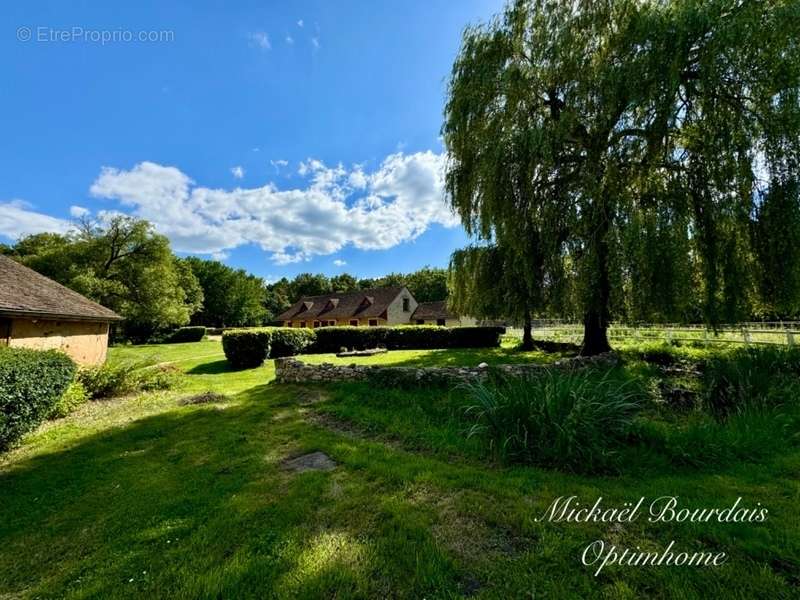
<point x="306" y="305"/>
<point x="332" y="303"/>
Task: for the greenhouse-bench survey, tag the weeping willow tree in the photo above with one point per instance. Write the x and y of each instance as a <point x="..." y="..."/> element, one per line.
<point x="492" y="282"/>
<point x="593" y="122"/>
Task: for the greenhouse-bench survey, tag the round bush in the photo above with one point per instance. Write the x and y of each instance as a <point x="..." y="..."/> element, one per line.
<point x="31" y="383"/>
<point x="246" y="348"/>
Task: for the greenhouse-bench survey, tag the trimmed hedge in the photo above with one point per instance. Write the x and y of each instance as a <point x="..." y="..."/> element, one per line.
<point x="413" y="337"/>
<point x="288" y="341"/>
<point x="246" y="348"/>
<point x="31" y="383"/>
<point x="186" y="334"/>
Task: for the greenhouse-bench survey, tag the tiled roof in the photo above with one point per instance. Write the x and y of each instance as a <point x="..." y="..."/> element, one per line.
<point x="26" y="293"/>
<point x="432" y="310"/>
<point x="362" y="304"/>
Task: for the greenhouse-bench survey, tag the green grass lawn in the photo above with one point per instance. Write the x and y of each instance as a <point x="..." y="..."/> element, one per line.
<point x="143" y="496"/>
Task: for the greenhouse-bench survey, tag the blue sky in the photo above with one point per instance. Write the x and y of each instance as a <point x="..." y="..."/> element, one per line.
<point x="277" y="136"/>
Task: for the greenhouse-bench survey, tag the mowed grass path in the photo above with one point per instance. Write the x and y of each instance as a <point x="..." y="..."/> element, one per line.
<point x="145" y="497"/>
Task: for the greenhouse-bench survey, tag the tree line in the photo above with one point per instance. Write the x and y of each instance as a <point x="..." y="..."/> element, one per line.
<point x="125" y="265"/>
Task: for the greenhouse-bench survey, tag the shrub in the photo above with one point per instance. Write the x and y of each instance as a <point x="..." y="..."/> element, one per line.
<point x="116" y="379"/>
<point x="157" y="377"/>
<point x="107" y="380"/>
<point x="185" y="334"/>
<point x="575" y="420"/>
<point x="31" y="382"/>
<point x="73" y="397"/>
<point x="287" y="341"/>
<point x="246" y="348"/>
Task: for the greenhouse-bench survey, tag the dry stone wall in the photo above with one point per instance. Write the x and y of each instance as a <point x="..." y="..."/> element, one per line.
<point x="291" y="370"/>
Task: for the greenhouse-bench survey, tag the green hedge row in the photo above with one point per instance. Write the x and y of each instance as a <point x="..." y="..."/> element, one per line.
<point x="287" y="341"/>
<point x="186" y="334"/>
<point x="246" y="348"/>
<point x="413" y="337"/>
<point x="31" y="383"/>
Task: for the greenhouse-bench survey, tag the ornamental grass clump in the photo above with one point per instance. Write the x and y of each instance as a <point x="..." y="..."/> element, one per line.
<point x="751" y="378"/>
<point x="127" y="377"/>
<point x="571" y="420"/>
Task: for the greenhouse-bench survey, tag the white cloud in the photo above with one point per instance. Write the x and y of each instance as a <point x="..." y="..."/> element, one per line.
<point x="78" y="211"/>
<point x="237" y="172"/>
<point x="289" y="39"/>
<point x="18" y="219"/>
<point x="357" y="178"/>
<point x="300" y="23"/>
<point x="339" y="262"/>
<point x="259" y="39"/>
<point x="279" y="164"/>
<point x="315" y="42"/>
<point x="337" y="207"/>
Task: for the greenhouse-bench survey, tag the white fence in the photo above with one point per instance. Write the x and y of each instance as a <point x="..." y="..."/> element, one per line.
<point x="782" y="333"/>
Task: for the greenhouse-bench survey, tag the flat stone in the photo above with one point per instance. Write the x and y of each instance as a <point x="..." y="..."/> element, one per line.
<point x="314" y="461"/>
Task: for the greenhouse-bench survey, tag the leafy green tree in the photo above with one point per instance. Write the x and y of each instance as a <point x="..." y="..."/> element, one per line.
<point x="776" y="233"/>
<point x="309" y="284"/>
<point x="564" y="120"/>
<point x="490" y="282"/>
<point x="277" y="298"/>
<point x="122" y="264"/>
<point x="344" y="283"/>
<point x="231" y="297"/>
<point x="427" y="284"/>
<point x="391" y="280"/>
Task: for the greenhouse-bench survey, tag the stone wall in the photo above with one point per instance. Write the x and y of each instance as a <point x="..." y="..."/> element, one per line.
<point x="291" y="370"/>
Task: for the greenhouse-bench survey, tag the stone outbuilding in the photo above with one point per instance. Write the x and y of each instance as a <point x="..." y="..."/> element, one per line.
<point x="36" y="312"/>
<point x="437" y="313"/>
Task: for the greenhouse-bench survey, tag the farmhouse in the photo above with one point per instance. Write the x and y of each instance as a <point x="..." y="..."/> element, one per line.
<point x="368" y="308"/>
<point x="36" y="312"/>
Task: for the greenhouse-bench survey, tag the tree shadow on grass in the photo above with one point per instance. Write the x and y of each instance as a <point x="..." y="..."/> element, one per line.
<point x="214" y="367"/>
<point x="192" y="502"/>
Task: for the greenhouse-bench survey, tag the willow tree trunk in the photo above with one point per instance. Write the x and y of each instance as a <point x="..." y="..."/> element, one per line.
<point x="595" y="320"/>
<point x="527" y="332"/>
